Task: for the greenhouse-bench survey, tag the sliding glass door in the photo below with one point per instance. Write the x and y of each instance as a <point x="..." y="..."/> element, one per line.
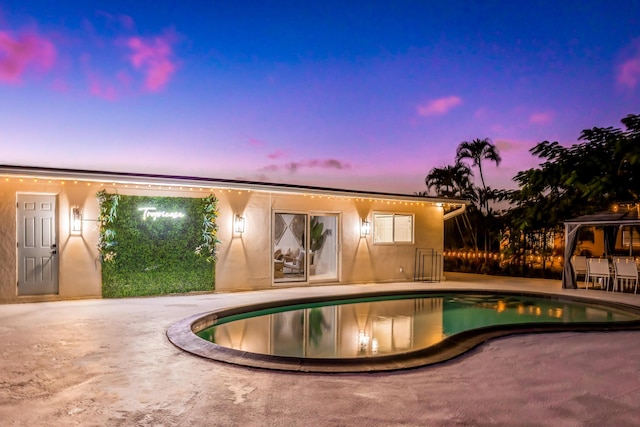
<point x="305" y="247"/>
<point x="323" y="245"/>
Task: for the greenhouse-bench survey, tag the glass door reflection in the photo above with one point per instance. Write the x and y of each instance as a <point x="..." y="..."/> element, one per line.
<point x="289" y="247"/>
<point x="323" y="247"/>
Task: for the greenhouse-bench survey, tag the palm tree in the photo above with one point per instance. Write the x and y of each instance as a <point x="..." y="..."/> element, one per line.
<point x="454" y="181"/>
<point x="477" y="151"/>
<point x="450" y="181"/>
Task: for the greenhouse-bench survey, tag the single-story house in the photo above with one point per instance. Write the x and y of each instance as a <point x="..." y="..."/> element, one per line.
<point x="68" y="234"/>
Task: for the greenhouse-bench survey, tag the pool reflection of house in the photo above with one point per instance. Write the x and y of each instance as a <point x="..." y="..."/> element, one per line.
<point x="342" y="331"/>
<point x="271" y="235"/>
<point x="389" y="326"/>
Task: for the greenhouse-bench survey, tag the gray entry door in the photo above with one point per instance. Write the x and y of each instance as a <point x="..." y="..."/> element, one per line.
<point x="37" y="245"/>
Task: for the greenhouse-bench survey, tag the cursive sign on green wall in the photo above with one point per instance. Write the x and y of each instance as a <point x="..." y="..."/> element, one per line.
<point x="156" y="245"/>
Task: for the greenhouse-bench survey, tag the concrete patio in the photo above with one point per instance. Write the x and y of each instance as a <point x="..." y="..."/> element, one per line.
<point x="109" y="363"/>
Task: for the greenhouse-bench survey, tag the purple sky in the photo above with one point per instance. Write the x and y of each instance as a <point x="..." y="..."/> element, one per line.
<point x="367" y="96"/>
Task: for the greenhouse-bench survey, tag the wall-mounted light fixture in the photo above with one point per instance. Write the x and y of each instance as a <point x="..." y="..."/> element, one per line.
<point x="238" y="224"/>
<point x="75" y="221"/>
<point x="365" y="228"/>
<point x="363" y="341"/>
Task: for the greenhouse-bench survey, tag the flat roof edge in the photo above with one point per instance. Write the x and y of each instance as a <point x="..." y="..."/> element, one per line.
<point x="147" y="178"/>
<point x="608" y="222"/>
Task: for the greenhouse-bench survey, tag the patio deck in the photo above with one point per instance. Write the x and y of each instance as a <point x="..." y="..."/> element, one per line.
<point x="108" y="362"/>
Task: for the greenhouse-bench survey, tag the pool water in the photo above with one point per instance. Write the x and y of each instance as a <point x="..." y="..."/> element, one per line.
<point x="381" y="326"/>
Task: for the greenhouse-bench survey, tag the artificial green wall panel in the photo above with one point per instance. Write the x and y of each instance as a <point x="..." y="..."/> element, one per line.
<point x="156" y="245"/>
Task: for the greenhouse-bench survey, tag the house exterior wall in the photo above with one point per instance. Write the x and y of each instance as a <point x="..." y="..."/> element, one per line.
<point x="245" y="261"/>
<point x="78" y="269"/>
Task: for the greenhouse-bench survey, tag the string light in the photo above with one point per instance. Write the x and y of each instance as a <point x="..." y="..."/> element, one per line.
<point x="177" y="187"/>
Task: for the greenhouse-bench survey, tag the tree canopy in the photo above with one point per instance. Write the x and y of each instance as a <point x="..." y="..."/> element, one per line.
<point x="450" y="181"/>
<point x="477" y="151"/>
<point x="602" y="169"/>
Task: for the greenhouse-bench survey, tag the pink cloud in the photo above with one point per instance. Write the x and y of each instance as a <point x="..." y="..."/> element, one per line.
<point x="629" y="73"/>
<point x="17" y="55"/>
<point x="480" y="113"/>
<point x="505" y="145"/>
<point x="310" y="164"/>
<point x="99" y="86"/>
<point x="438" y="106"/>
<point x="153" y="58"/>
<point x="541" y="118"/>
<point x="102" y="90"/>
<point x="276" y="154"/>
<point x="256" y="142"/>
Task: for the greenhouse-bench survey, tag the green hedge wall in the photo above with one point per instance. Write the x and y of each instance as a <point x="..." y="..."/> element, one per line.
<point x="156" y="254"/>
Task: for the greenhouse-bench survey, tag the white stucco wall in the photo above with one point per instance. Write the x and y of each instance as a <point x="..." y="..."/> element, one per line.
<point x="78" y="270"/>
<point x="245" y="261"/>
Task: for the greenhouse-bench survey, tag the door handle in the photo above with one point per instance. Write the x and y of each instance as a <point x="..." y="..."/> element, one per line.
<point x="54" y="252"/>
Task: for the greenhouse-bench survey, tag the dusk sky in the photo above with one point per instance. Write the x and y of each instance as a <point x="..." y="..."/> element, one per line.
<point x="359" y="95"/>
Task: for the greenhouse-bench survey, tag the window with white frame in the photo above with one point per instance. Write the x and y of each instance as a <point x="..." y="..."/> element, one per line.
<point x="392" y="228"/>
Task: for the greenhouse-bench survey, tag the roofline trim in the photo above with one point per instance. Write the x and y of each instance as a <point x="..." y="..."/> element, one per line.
<point x="160" y="179"/>
<point x="607" y="222"/>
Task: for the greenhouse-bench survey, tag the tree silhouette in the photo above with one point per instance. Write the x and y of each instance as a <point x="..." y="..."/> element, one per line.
<point x="601" y="170"/>
<point x="450" y="181"/>
<point x="477" y="151"/>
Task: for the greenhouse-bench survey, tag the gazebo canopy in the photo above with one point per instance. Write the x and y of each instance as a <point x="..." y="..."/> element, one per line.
<point x="610" y="221"/>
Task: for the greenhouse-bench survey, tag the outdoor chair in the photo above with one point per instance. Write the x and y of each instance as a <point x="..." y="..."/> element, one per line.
<point x="626" y="273"/>
<point x="597" y="269"/>
<point x="297" y="264"/>
<point x="579" y="265"/>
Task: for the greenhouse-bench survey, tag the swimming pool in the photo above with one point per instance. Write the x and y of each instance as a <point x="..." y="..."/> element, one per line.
<point x="391" y="331"/>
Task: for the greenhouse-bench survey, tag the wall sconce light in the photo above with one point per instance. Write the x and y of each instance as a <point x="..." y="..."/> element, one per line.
<point x="363" y="342"/>
<point x="238" y="224"/>
<point x="76" y="221"/>
<point x="365" y="228"/>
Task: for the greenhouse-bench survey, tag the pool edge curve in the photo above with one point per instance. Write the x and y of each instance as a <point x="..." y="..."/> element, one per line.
<point x="181" y="334"/>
